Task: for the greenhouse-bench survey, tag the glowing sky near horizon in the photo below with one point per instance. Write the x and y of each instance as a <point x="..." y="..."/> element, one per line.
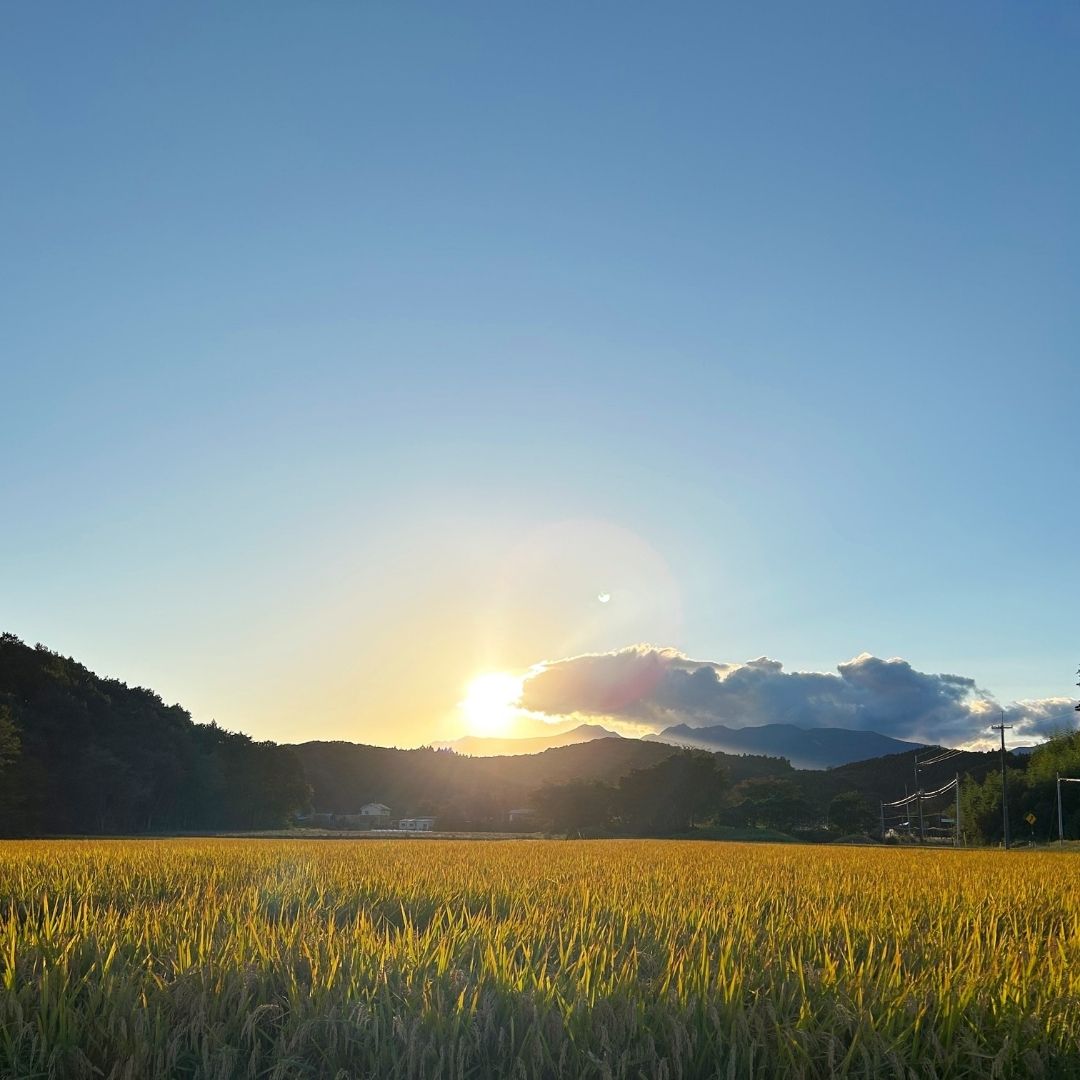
<point x="352" y="352"/>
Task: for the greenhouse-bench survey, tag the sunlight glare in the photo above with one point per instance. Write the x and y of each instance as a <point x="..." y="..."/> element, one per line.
<point x="490" y="703"/>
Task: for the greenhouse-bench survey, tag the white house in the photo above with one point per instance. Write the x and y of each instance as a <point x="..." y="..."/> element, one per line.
<point x="375" y="809"/>
<point x="416" y="824"/>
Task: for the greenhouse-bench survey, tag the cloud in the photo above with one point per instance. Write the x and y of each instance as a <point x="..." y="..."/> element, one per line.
<point x="1033" y="720"/>
<point x="648" y="686"/>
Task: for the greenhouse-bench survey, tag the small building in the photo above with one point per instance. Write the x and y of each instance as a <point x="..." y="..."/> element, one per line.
<point x="375" y="810"/>
<point x="416" y="824"/>
<point x="523" y="816"/>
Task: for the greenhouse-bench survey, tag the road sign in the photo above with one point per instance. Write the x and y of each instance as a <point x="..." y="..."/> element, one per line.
<point x="1029" y="818"/>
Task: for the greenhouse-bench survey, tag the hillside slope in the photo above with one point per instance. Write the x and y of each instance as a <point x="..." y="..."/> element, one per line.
<point x="893" y="776"/>
<point x="805" y="748"/>
<point x="488" y="746"/>
<point x="98" y="756"/>
<point x="478" y="791"/>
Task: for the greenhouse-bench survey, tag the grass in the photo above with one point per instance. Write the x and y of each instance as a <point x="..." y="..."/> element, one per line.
<point x="240" y="958"/>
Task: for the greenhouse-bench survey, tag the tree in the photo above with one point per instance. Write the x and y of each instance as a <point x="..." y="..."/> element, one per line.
<point x="852" y="812"/>
<point x="10" y="744"/>
<point x="575" y="805"/>
<point x="980" y="805"/>
<point x="673" y="795"/>
<point x="772" y="804"/>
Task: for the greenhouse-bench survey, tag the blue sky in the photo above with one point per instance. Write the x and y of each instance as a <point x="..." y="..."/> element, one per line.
<point x="350" y="350"/>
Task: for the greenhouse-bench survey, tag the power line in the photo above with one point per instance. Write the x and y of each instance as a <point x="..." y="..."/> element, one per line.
<point x="942" y="757"/>
<point x="907" y="800"/>
<point x="940" y="791"/>
<point x="899" y="816"/>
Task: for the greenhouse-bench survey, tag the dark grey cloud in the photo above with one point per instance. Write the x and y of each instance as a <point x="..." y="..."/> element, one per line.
<point x="647" y="686"/>
<point x="1036" y="719"/>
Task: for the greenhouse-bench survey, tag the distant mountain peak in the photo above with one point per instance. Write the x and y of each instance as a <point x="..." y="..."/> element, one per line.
<point x="805" y="748"/>
<point x="503" y="746"/>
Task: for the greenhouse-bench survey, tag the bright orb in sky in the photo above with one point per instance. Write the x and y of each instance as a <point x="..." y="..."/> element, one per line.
<point x="604" y="597"/>
<point x="490" y="703"/>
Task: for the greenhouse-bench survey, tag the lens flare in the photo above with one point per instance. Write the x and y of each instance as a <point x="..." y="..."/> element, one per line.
<point x="490" y="704"/>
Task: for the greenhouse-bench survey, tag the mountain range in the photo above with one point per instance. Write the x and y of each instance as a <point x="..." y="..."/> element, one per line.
<point x="805" y="748"/>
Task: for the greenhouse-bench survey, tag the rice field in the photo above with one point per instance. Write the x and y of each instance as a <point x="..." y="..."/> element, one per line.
<point x="427" y="958"/>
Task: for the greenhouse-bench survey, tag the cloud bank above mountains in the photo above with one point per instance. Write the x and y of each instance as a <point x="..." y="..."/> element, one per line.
<point x="644" y="687"/>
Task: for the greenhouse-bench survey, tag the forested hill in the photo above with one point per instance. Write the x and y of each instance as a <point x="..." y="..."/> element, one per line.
<point x="83" y="754"/>
<point x="344" y="775"/>
<point x="474" y="792"/>
<point x="893" y="776"/>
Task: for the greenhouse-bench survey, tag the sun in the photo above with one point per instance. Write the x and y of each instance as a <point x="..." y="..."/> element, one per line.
<point x="490" y="703"/>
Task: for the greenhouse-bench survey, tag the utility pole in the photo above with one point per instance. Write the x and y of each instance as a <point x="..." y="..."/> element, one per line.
<point x="883" y="821"/>
<point x="1003" y="727"/>
<point x="1061" y="827"/>
<point x="957" y="809"/>
<point x="918" y="799"/>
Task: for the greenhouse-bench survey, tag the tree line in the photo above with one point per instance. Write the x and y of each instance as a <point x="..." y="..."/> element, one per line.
<point x="606" y="785"/>
<point x="694" y="788"/>
<point x="1031" y="788"/>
